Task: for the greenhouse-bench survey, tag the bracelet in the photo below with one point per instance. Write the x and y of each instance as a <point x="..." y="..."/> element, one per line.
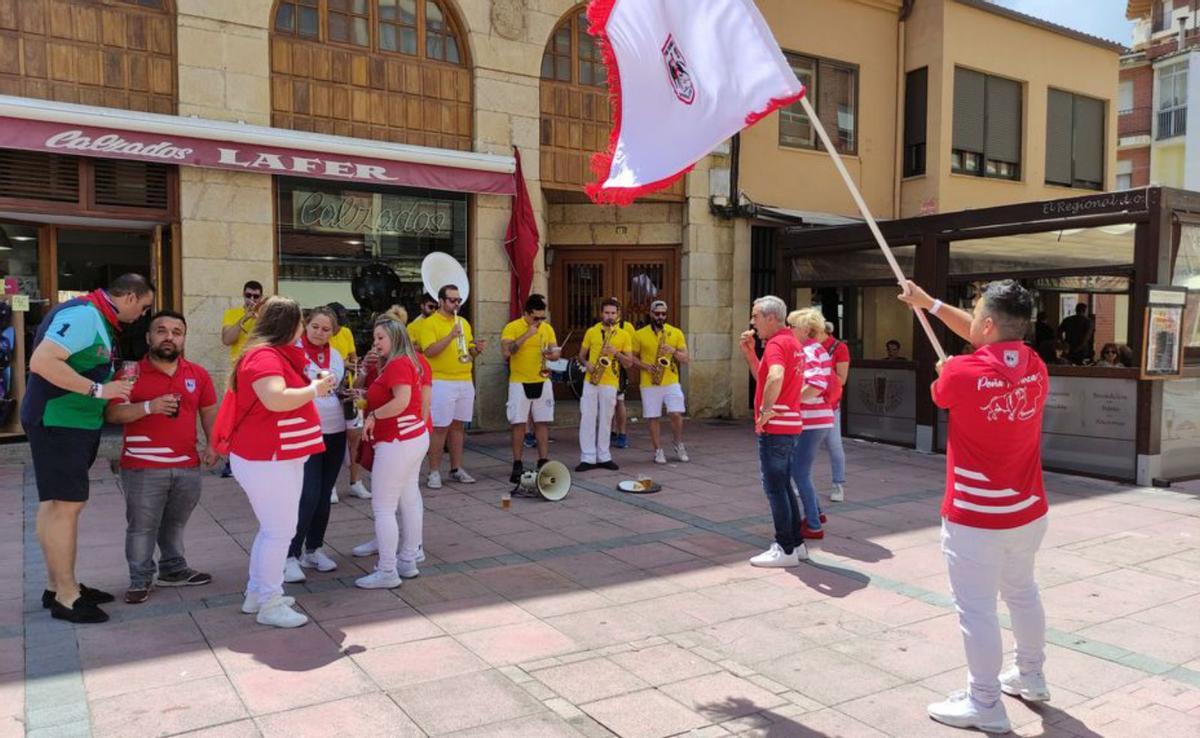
<point x="146" y="407"/>
<point x="935" y="307"/>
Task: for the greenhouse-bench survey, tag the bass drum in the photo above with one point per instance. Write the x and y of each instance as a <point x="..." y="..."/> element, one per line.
<point x="569" y="373"/>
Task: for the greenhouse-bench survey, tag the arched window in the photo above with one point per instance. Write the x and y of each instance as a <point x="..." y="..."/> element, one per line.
<point x="389" y="70"/>
<point x="421" y="28"/>
<point x="572" y="55"/>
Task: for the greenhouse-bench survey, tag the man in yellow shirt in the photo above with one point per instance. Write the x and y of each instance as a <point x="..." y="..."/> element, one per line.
<point x="526" y="342"/>
<point x="660" y="341"/>
<point x="453" y="395"/>
<point x="239" y="321"/>
<point x="429" y="305"/>
<point x="603" y="340"/>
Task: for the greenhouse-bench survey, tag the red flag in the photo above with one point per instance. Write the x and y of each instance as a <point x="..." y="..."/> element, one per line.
<point x="521" y="244"/>
<point x="683" y="76"/>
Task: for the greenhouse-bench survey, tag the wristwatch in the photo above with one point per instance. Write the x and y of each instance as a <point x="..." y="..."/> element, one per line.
<point x="96" y="391"/>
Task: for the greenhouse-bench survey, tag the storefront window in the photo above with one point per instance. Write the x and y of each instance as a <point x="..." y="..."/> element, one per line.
<point x="19" y="264"/>
<point x="328" y="232"/>
<point x="1187" y="274"/>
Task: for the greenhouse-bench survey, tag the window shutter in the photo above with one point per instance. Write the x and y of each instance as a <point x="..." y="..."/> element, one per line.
<point x="1058" y="137"/>
<point x="1003" y="120"/>
<point x="968" y="110"/>
<point x="36" y="176"/>
<point x="1089" y="140"/>
<point x="915" y="103"/>
<point x="132" y="184"/>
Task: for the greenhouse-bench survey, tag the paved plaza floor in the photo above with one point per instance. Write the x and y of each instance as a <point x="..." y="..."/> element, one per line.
<point x="611" y="614"/>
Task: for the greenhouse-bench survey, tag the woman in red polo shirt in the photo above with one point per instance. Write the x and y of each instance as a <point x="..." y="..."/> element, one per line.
<point x="397" y="426"/>
<point x="276" y="429"/>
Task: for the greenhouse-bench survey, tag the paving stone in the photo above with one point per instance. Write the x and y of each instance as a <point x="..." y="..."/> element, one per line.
<point x="440" y="707"/>
<point x="645" y="714"/>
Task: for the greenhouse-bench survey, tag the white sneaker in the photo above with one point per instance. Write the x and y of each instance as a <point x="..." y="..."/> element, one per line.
<point x="838" y="494"/>
<point x="250" y="604"/>
<point x="681" y="453"/>
<point x="370" y="548"/>
<point x="774" y="557"/>
<point x="660" y="457"/>
<point x="1030" y="686"/>
<point x="434" y="481"/>
<point x="420" y="554"/>
<point x="359" y="490"/>
<point x="461" y="476"/>
<point x="407" y="569"/>
<point x="317" y="560"/>
<point x="960" y="711"/>
<point x="292" y="573"/>
<point x="379" y="580"/>
<point x="279" y="612"/>
<point x="333" y="498"/>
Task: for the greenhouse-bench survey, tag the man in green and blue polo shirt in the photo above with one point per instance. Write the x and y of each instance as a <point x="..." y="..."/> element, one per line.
<point x="63" y="410"/>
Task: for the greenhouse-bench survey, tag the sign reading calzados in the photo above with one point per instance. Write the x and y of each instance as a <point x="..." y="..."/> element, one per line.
<point x="372" y="214"/>
<point x="39" y="135"/>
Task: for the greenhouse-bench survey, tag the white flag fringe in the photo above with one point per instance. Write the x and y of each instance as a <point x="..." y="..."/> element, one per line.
<point x="682" y="78"/>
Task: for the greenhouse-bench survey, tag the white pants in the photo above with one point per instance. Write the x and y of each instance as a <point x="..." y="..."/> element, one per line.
<point x="274" y="490"/>
<point x="395" y="484"/>
<point x="983" y="563"/>
<point x="519" y="406"/>
<point x="595" y="420"/>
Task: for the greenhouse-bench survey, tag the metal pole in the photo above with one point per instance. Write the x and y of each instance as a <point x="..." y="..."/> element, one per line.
<point x="862" y="207"/>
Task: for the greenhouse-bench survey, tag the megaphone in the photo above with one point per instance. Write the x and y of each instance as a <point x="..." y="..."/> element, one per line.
<point x="552" y="481"/>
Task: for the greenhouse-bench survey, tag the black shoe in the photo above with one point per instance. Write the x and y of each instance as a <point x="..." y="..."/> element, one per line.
<point x="610" y="464"/>
<point x="137" y="595"/>
<point x="80" y="612"/>
<point x="585" y="466"/>
<point x="227" y="471"/>
<point x="86" y="593"/>
<point x="542" y="462"/>
<point x="517" y="470"/>
<point x="185" y="578"/>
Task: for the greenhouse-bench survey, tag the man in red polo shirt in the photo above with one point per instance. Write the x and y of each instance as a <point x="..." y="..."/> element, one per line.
<point x="994" y="511"/>
<point x="160" y="469"/>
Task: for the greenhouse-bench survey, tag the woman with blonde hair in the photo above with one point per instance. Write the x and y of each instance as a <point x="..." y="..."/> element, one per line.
<point x="397" y="425"/>
<point x="816" y="412"/>
<point x="275" y="430"/>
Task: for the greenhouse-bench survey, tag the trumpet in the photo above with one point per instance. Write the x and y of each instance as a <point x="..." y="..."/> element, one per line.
<point x="544" y="371"/>
<point x="604" y="362"/>
<point x="464" y="354"/>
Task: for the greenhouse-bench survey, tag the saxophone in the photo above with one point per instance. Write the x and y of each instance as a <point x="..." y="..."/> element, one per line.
<point x="545" y="370"/>
<point x="464" y="354"/>
<point x="662" y="363"/>
<point x="603" y="362"/>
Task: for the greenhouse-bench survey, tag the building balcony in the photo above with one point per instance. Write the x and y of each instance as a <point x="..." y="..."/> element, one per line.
<point x="1171" y="123"/>
<point x="1136" y="121"/>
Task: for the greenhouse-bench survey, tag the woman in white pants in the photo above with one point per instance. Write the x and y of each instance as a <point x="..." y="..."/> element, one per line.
<point x="397" y="426"/>
<point x="275" y="430"/>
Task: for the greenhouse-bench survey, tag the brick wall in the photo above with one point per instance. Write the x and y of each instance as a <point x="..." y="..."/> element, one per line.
<point x="1137" y="122"/>
<point x="1140" y="159"/>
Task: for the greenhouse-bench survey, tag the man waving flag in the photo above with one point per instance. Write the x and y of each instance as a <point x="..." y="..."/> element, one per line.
<point x="683" y="76"/>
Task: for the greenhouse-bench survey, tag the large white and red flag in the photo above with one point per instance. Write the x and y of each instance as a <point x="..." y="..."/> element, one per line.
<point x="683" y="76"/>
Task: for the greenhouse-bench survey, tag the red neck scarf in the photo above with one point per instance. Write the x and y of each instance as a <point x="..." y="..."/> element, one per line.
<point x="102" y="302"/>
<point x="319" y="355"/>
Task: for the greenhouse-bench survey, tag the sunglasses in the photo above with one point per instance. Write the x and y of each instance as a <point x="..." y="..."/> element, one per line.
<point x="252" y="295"/>
<point x="538" y="319"/>
<point x="453" y="300"/>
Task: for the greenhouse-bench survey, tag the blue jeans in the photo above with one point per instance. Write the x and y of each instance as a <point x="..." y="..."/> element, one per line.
<point x="320" y="474"/>
<point x="775" y="459"/>
<point x="802" y="461"/>
<point x="837" y="454"/>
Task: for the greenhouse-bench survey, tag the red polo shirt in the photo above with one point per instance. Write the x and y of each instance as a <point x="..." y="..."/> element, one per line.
<point x="782" y="350"/>
<point x="160" y="441"/>
<point x="260" y="434"/>
<point x="409" y="423"/>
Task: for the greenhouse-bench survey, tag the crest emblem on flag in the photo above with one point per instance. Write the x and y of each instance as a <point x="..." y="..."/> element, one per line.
<point x="190" y="384"/>
<point x="678" y="72"/>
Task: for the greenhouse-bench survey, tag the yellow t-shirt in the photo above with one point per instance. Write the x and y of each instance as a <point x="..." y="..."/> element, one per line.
<point x="231" y="317"/>
<point x="414" y="330"/>
<point x="343" y="343"/>
<point x="619" y="340"/>
<point x="526" y="364"/>
<point x="445" y="365"/>
<point x="647" y="348"/>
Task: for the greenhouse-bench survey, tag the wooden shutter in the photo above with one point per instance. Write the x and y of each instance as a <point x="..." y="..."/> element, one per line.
<point x="1059" y="112"/>
<point x="131" y="184"/>
<point x="36" y="176"/>
<point x="1003" y="142"/>
<point x="1088" y="149"/>
<point x="968" y="110"/>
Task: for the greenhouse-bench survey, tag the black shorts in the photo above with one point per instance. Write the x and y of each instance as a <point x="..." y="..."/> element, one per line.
<point x="62" y="458"/>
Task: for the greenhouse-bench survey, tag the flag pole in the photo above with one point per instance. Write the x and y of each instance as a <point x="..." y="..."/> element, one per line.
<point x="862" y="207"/>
